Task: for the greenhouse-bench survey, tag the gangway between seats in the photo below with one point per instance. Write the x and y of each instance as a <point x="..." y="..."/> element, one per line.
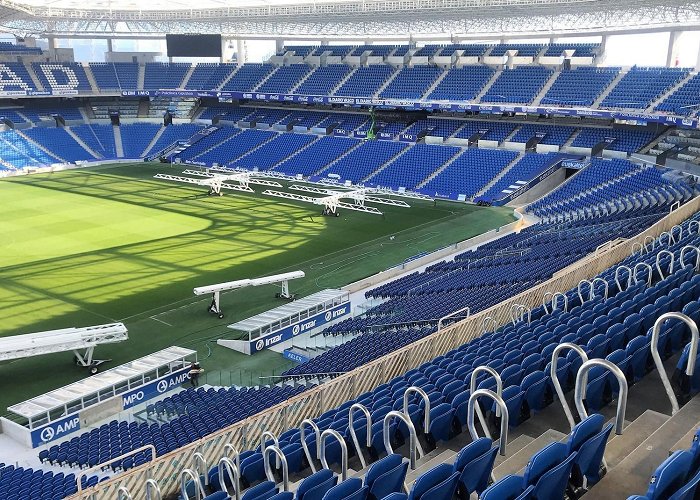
<point x="66" y="339"/>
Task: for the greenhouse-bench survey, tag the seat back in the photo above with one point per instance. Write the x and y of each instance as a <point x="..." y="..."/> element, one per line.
<point x="547" y="458"/>
<point x="583" y="431"/>
<point x="476" y="473"/>
<point x="552" y="484"/>
<point x="349" y="488"/>
<point x="390" y="482"/>
<point x="261" y="491"/>
<point x="430" y="479"/>
<point x="590" y="456"/>
<point x="507" y="488"/>
<point x="670" y="475"/>
<point x="690" y="491"/>
<point x="312" y="481"/>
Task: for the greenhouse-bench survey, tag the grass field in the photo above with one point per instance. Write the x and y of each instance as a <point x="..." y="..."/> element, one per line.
<point x="107" y="244"/>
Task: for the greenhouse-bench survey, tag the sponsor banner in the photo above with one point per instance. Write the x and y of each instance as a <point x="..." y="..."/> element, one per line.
<point x="408" y="137"/>
<point x="155" y="388"/>
<point x="11" y="93"/>
<point x="340" y="132"/>
<point x="65" y="92"/>
<point x="137" y="93"/>
<point x="302" y="326"/>
<point x="578" y="165"/>
<point x="55" y="430"/>
<point x="294" y="356"/>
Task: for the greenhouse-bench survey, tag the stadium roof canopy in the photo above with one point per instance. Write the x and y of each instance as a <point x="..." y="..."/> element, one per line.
<point x="364" y="19"/>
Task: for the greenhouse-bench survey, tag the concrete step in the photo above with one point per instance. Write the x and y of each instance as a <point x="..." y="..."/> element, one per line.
<point x="632" y="474"/>
<point x="428" y="462"/>
<point x="517" y="461"/>
<point x="686" y="441"/>
<point x="619" y="447"/>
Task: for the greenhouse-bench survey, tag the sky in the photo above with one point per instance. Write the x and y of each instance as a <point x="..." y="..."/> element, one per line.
<point x="622" y="50"/>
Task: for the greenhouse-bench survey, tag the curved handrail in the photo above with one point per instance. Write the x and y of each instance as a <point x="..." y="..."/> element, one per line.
<point x="273" y="438"/>
<point x="601" y="280"/>
<point x="634" y="248"/>
<point x="555" y="380"/>
<point x="302" y="435"/>
<point x="201" y="467"/>
<point x="697" y="255"/>
<point x="413" y="437"/>
<point x="198" y="488"/>
<point x="426" y="399"/>
<point x="232" y="451"/>
<point x="582" y="380"/>
<point x="524" y="309"/>
<point x="697" y="226"/>
<point x="555" y="302"/>
<point x="472" y="386"/>
<point x="343" y="451"/>
<point x="645" y="265"/>
<point x="123" y="493"/>
<point x="590" y="290"/>
<point x="650" y="239"/>
<point x="485" y="320"/>
<point x="673" y="233"/>
<point x="690" y="369"/>
<point x="658" y="263"/>
<point x="617" y="276"/>
<point x="671" y="239"/>
<point x="268" y="469"/>
<point x="233" y="473"/>
<point x="151" y="484"/>
<point x="546" y="298"/>
<point x="453" y="313"/>
<point x="515" y="308"/>
<point x="353" y="434"/>
<point x="503" y="440"/>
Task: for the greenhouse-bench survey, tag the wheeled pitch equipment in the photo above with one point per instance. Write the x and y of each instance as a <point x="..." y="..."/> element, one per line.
<point x="217" y="180"/>
<point x="215" y="290"/>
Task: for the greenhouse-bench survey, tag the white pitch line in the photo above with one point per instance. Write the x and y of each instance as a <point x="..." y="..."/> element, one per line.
<point x="160" y="320"/>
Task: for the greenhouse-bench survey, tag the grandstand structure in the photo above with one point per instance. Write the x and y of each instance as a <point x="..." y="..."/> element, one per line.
<point x="555" y="359"/>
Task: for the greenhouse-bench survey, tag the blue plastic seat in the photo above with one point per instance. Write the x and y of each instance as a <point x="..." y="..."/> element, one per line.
<point x="441" y="423"/>
<point x="507" y="488"/>
<point x="690" y="490"/>
<point x="537" y="392"/>
<point x="261" y="491"/>
<point x="439" y="483"/>
<point x="548" y="471"/>
<point x="350" y="489"/>
<point x="670" y="476"/>
<point x="588" y="438"/>
<point x="386" y="476"/>
<point x="474" y="464"/>
<point x="323" y="476"/>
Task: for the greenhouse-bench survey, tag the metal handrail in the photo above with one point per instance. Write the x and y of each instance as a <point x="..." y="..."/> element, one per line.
<point x="426" y="399"/>
<point x="555" y="303"/>
<point x="641" y="248"/>
<point x="200" y="467"/>
<point x="697" y="226"/>
<point x="453" y="313"/>
<point x="658" y="263"/>
<point x="343" y="452"/>
<point x="673" y="233"/>
<point x="123" y="493"/>
<point x="671" y="239"/>
<point x="151" y="484"/>
<point x="302" y="435"/>
<point x="97" y="467"/>
<point x="555" y="380"/>
<point x="234" y="474"/>
<point x="647" y="266"/>
<point x="629" y="276"/>
<point x="273" y="438"/>
<point x="675" y="206"/>
<point x="198" y="488"/>
<point x="412" y="440"/>
<point x="582" y="380"/>
<point x="230" y="450"/>
<point x="503" y="439"/>
<point x="353" y="434"/>
<point x="268" y="468"/>
<point x="547" y="297"/>
<point x="518" y="309"/>
<point x="690" y="368"/>
<point x="590" y="290"/>
<point x="522" y="310"/>
<point x="484" y="321"/>
<point x="697" y="255"/>
<point x="650" y="239"/>
<point x="601" y="280"/>
<point x="472" y="386"/>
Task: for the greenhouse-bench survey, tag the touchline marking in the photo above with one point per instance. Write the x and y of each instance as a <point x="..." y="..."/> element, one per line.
<point x="160" y="320"/>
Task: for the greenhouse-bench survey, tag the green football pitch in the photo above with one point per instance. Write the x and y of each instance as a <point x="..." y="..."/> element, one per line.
<point x="104" y="244"/>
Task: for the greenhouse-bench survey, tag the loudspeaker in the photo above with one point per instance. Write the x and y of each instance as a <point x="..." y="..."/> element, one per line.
<point x="567" y="64"/>
<point x="167" y="118"/>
